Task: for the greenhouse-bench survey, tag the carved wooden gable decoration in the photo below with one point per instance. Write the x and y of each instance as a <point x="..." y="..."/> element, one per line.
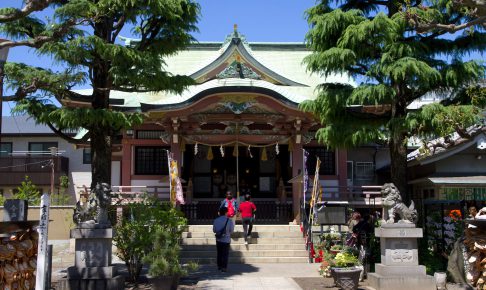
<point x="237" y="61"/>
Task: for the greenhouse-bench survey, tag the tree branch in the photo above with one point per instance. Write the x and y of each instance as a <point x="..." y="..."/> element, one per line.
<point x="69" y="139"/>
<point x="30" y="6"/>
<point x="118" y="27"/>
<point x="425" y="27"/>
<point x="38" y="41"/>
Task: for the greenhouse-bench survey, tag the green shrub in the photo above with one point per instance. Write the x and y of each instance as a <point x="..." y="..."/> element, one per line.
<point x="61" y="198"/>
<point x="28" y="191"/>
<point x="149" y="226"/>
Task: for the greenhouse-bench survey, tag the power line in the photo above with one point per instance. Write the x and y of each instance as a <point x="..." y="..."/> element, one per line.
<point x="12" y="166"/>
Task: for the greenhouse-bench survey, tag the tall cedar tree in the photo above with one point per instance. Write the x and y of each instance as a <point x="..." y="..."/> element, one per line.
<point x="81" y="35"/>
<point x="374" y="42"/>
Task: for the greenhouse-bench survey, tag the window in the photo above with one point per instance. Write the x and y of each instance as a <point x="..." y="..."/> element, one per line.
<point x="5" y="148"/>
<point x="350" y="170"/>
<point x="151" y="161"/>
<point x="41" y="147"/>
<point x="327" y="157"/>
<point x="365" y="171"/>
<point x="87" y="156"/>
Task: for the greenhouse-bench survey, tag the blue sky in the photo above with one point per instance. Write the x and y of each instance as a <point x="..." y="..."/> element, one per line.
<point x="259" y="20"/>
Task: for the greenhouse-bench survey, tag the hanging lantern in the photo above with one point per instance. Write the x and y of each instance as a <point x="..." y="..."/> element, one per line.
<point x="182" y="145"/>
<point x="291" y="145"/>
<point x="277" y="150"/>
<point x="235" y="150"/>
<point x="195" y="149"/>
<point x="221" y="149"/>
<point x="210" y="153"/>
<point x="249" y="151"/>
<point x="264" y="154"/>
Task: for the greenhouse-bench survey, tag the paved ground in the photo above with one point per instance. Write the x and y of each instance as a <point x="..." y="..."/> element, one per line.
<point x="253" y="276"/>
<point x="239" y="276"/>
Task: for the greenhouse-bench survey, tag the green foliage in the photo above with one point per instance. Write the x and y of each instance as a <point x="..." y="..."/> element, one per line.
<point x="61" y="198"/>
<point x="164" y="257"/>
<point x="82" y="36"/>
<point x="345" y="259"/>
<point x="28" y="191"/>
<point x="2" y="200"/>
<point x="150" y="227"/>
<point x="394" y="66"/>
<point x="432" y="260"/>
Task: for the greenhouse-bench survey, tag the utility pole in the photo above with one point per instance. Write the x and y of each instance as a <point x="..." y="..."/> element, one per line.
<point x="41" y="272"/>
<point x="3" y="59"/>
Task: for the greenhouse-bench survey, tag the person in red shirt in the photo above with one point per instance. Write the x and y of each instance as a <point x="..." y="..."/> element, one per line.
<point x="247" y="210"/>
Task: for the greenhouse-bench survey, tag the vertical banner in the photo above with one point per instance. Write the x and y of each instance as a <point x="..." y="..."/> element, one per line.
<point x="316" y="186"/>
<point x="305" y="174"/>
<point x="175" y="186"/>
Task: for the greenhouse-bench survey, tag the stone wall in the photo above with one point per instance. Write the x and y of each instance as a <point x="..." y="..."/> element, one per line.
<point x="61" y="220"/>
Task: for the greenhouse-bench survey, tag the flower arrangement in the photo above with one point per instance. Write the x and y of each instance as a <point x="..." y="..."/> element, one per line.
<point x="345" y="259"/>
<point x="455" y="214"/>
<point x="326" y="264"/>
<point x="448" y="230"/>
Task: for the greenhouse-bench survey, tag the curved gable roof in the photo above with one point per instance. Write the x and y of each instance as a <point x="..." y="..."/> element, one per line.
<point x="236" y="50"/>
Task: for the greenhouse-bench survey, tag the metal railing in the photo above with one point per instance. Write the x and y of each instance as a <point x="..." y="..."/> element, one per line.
<point x="13" y="169"/>
<point x="268" y="212"/>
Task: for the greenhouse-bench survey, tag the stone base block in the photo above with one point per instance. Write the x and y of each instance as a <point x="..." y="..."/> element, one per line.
<point x="91" y="272"/>
<point x="380" y="282"/>
<point x="116" y="283"/>
<point x="384" y="270"/>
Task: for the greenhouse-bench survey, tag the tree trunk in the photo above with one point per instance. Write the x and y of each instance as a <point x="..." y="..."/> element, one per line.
<point x="100" y="156"/>
<point x="398" y="143"/>
<point x="101" y="137"/>
<point x="398" y="156"/>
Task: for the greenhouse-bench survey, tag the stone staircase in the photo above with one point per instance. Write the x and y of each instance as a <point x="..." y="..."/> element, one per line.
<point x="268" y="244"/>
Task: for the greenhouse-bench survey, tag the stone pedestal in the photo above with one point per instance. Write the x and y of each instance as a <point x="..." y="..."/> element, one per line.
<point x="92" y="265"/>
<point x="399" y="268"/>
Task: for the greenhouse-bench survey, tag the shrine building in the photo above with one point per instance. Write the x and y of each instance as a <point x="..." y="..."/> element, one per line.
<point x="238" y="128"/>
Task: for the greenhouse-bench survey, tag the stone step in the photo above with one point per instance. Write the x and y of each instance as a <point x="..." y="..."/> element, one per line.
<point x="256" y="228"/>
<point x="277" y="253"/>
<point x="239" y="234"/>
<point x="250" y="260"/>
<point x="266" y="241"/>
<point x="249" y="247"/>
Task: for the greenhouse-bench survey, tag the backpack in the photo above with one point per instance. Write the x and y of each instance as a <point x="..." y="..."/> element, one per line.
<point x="231" y="209"/>
<point x="222" y="233"/>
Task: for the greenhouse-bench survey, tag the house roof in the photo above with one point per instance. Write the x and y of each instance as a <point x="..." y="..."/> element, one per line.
<point x="440" y="148"/>
<point x="233" y="63"/>
<point x="26" y="125"/>
<point x="456" y="180"/>
<point x="23" y="124"/>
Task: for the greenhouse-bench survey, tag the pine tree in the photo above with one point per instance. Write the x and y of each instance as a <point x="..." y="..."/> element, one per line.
<point x="374" y="42"/>
<point x="81" y="36"/>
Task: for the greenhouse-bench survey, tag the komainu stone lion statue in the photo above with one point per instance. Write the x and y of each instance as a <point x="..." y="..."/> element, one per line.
<point x="392" y="201"/>
<point x="96" y="208"/>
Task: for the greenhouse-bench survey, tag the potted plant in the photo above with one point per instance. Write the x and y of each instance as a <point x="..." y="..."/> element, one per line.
<point x="165" y="269"/>
<point x="345" y="271"/>
<point x="335" y="249"/>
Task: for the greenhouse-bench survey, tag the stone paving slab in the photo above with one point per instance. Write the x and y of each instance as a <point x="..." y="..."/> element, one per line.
<point x="253" y="276"/>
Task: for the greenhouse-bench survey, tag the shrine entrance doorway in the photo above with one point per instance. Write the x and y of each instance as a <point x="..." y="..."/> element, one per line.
<point x="257" y="170"/>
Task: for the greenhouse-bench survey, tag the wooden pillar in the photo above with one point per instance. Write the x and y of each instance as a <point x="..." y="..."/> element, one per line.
<point x="342" y="170"/>
<point x="126" y="163"/>
<point x="297" y="164"/>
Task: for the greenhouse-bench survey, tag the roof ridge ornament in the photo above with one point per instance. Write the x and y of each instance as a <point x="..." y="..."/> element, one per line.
<point x="235" y="37"/>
